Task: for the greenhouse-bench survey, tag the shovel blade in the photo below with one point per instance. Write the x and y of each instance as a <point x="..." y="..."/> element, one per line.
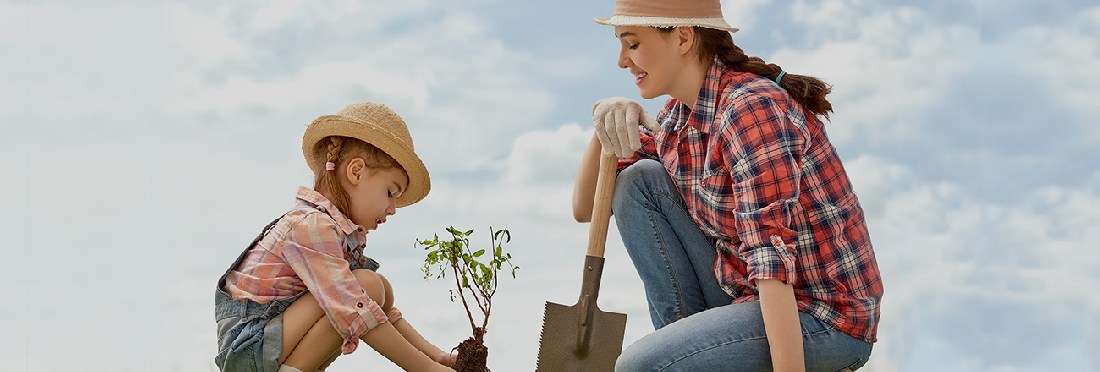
<point x="558" y="342"/>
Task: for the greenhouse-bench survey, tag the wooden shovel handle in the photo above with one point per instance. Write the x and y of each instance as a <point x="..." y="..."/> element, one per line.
<point x="601" y="208"/>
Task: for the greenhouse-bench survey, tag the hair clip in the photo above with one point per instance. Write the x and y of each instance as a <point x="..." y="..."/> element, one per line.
<point x="330" y="166"/>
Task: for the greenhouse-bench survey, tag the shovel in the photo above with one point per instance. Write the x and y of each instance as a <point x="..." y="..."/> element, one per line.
<point x="582" y="338"/>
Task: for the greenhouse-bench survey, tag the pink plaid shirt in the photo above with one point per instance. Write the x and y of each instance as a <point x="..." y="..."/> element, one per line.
<point x="758" y="174"/>
<point x="306" y="251"/>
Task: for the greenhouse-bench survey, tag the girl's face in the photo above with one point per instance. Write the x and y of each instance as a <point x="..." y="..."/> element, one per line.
<point x="654" y="58"/>
<point x="373" y="193"/>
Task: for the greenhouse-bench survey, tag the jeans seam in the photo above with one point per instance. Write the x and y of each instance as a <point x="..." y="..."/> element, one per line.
<point x="709" y="348"/>
<point x="668" y="268"/>
<point x="677" y="202"/>
<point x="666" y="193"/>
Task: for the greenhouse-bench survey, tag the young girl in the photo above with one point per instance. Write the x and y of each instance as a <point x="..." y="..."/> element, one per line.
<point x="732" y="204"/>
<point x="302" y="293"/>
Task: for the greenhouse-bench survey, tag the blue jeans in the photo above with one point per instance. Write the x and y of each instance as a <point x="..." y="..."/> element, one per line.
<point x="698" y="327"/>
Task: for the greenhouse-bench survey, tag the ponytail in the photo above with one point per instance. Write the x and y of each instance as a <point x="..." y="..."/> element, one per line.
<point x="328" y="181"/>
<point x="808" y="91"/>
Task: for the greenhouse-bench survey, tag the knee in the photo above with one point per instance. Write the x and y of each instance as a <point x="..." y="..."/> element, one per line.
<point x="638" y="179"/>
<point x="637" y="359"/>
<point x="388" y="304"/>
<point x="374" y="284"/>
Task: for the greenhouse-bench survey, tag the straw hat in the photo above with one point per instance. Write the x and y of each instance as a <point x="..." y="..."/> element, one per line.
<point x="377" y="125"/>
<point x="664" y="13"/>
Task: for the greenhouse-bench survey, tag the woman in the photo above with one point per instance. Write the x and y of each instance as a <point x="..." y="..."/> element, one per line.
<point x="732" y="204"/>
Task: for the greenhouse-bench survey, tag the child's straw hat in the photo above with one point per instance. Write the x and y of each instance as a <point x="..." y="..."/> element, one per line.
<point x="377" y="125"/>
<point x="664" y="13"/>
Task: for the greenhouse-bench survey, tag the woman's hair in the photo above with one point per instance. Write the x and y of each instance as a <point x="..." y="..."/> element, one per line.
<point x="340" y="150"/>
<point x="808" y="91"/>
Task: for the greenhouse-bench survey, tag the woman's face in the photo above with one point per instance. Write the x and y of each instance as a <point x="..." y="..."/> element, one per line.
<point x="653" y="57"/>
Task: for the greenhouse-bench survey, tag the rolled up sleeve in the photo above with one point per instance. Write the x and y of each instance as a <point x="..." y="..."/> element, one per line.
<point x="765" y="147"/>
<point x="314" y="249"/>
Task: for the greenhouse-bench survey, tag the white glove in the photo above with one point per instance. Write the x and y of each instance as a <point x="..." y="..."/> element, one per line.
<point x="617" y="120"/>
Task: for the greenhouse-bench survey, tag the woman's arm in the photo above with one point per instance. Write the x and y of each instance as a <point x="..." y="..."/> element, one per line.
<point x="617" y="122"/>
<point x="764" y="147"/>
<point x="585" y="187"/>
<point x="781" y="325"/>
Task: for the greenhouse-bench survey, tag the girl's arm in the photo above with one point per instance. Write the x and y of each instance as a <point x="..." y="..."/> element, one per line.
<point x="414" y="337"/>
<point x="781" y="325"/>
<point x="387" y="341"/>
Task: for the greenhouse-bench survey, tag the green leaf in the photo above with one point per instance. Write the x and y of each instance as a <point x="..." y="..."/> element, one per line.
<point x="479" y="253"/>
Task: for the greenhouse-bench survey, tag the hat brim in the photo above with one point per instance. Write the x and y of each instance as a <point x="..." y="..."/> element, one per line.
<point x="337" y="125"/>
<point x="623" y="20"/>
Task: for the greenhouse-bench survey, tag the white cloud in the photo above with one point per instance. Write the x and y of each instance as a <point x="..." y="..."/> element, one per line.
<point x="896" y="65"/>
<point x="939" y="250"/>
<point x="742" y="14"/>
<point x="1066" y="66"/>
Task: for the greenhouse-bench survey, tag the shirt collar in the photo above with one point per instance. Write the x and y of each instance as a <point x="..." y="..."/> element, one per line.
<point x="315" y="199"/>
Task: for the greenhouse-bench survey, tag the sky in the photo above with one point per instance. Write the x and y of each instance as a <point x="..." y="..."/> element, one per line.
<point x="145" y="143"/>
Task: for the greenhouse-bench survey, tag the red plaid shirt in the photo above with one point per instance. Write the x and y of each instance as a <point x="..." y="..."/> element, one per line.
<point x="758" y="174"/>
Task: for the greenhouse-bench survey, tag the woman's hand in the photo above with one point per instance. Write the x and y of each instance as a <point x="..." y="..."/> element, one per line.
<point x="616" y="120"/>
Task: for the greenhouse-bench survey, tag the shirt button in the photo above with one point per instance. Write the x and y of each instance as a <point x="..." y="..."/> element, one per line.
<point x="360" y="305"/>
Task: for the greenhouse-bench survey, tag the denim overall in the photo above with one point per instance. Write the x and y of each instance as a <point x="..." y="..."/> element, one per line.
<point x="250" y="334"/>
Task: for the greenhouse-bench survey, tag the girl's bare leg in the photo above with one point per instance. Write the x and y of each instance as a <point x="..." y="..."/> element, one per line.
<point x="308" y="336"/>
<point x="331" y="358"/>
<point x="315" y="348"/>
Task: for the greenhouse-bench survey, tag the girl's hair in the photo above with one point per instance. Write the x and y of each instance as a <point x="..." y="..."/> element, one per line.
<point x="808" y="91"/>
<point x="340" y="150"/>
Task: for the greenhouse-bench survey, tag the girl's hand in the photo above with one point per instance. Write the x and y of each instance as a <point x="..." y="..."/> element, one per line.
<point x="617" y="120"/>
<point x="446" y="358"/>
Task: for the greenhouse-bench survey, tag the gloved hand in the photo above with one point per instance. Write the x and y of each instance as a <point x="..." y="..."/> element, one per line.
<point x="616" y="120"/>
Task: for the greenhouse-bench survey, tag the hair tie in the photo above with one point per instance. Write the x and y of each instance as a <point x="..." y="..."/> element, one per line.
<point x="330" y="166"/>
<point x="779" y="79"/>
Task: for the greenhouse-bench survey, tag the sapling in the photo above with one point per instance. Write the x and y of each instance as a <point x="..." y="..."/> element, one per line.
<point x="476" y="274"/>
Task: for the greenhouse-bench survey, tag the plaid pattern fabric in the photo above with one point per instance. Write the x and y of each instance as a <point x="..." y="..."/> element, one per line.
<point x="309" y="250"/>
<point x="758" y="174"/>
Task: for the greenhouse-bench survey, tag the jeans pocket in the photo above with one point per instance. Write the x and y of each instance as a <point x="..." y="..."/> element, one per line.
<point x="810" y="325"/>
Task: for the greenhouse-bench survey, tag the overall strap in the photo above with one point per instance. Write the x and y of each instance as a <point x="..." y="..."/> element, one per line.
<point x="221" y="281"/>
